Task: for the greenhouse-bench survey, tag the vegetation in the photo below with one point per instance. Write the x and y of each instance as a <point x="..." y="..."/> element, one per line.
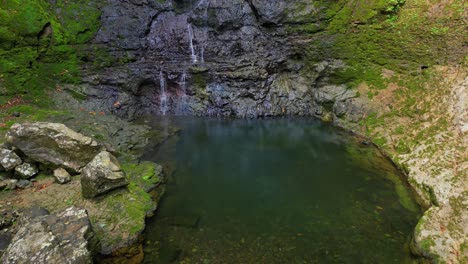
<point x="399" y="55"/>
<point x="39" y="46"/>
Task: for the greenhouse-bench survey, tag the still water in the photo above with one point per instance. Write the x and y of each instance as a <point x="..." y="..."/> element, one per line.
<point x="277" y="191"/>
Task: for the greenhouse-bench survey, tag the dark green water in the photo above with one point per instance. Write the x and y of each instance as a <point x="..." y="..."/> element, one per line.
<point x="277" y="191"/>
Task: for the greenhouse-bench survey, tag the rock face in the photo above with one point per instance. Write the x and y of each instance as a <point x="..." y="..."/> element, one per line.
<point x="62" y="175"/>
<point x="26" y="170"/>
<point x="53" y="144"/>
<point x="61" y="238"/>
<point x="9" y="160"/>
<point x="101" y="175"/>
<point x="221" y="58"/>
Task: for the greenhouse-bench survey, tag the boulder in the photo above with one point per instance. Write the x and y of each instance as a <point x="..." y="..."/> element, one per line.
<point x="101" y="175"/>
<point x="53" y="144"/>
<point x="23" y="184"/>
<point x="62" y="176"/>
<point x="333" y="93"/>
<point x="61" y="238"/>
<point x="11" y="184"/>
<point x="9" y="160"/>
<point x="26" y="170"/>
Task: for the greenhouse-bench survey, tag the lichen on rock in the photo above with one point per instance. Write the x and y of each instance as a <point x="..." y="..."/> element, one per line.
<point x="102" y="175"/>
<point x="53" y="144"/>
<point x="65" y="237"/>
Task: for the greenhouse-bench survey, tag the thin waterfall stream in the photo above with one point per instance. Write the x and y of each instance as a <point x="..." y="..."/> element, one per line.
<point x="163" y="94"/>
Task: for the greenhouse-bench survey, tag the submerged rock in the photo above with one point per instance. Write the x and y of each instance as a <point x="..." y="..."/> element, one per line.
<point x="61" y="238"/>
<point x="53" y="144"/>
<point x="101" y="175"/>
<point x="26" y="170"/>
<point x="9" y="160"/>
<point x="62" y="176"/>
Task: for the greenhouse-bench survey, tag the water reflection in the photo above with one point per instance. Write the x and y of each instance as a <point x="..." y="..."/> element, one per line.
<point x="277" y="191"/>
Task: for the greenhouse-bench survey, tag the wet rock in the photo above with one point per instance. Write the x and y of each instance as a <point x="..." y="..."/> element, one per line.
<point x="5" y="239"/>
<point x="23" y="184"/>
<point x="101" y="175"/>
<point x="62" y="176"/>
<point x="366" y="142"/>
<point x="61" y="238"/>
<point x="9" y="160"/>
<point x="53" y="144"/>
<point x="26" y="170"/>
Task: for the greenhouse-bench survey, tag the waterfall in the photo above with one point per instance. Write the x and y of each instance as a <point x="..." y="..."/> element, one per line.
<point x="163" y="97"/>
<point x="183" y="82"/>
<point x="192" y="48"/>
<point x="202" y="4"/>
<point x="202" y="55"/>
<point x="205" y="29"/>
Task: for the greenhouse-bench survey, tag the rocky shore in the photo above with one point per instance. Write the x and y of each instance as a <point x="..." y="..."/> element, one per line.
<point x="99" y="206"/>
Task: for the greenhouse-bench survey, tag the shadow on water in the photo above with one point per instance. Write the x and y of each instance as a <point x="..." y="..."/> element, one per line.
<point x="277" y="191"/>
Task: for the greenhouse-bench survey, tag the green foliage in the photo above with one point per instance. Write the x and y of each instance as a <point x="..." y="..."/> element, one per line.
<point x="37" y="45"/>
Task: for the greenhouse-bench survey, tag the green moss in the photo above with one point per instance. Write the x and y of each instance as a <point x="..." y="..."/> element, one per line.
<point x="345" y="13"/>
<point x="371" y="35"/>
<point x="145" y="175"/>
<point x="131" y="207"/>
<point x="78" y="19"/>
<point x="426" y="244"/>
<point x="37" y="50"/>
<point x="28" y="113"/>
<point x="200" y="81"/>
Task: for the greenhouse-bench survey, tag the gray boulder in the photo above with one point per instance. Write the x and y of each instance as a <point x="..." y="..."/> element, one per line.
<point x="62" y="176"/>
<point x="10" y="184"/>
<point x="333" y="93"/>
<point x="26" y="170"/>
<point x="9" y="160"/>
<point x="101" y="175"/>
<point x="53" y="144"/>
<point x="23" y="184"/>
<point x="61" y="238"/>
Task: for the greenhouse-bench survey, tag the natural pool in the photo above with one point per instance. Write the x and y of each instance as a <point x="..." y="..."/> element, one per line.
<point x="277" y="191"/>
